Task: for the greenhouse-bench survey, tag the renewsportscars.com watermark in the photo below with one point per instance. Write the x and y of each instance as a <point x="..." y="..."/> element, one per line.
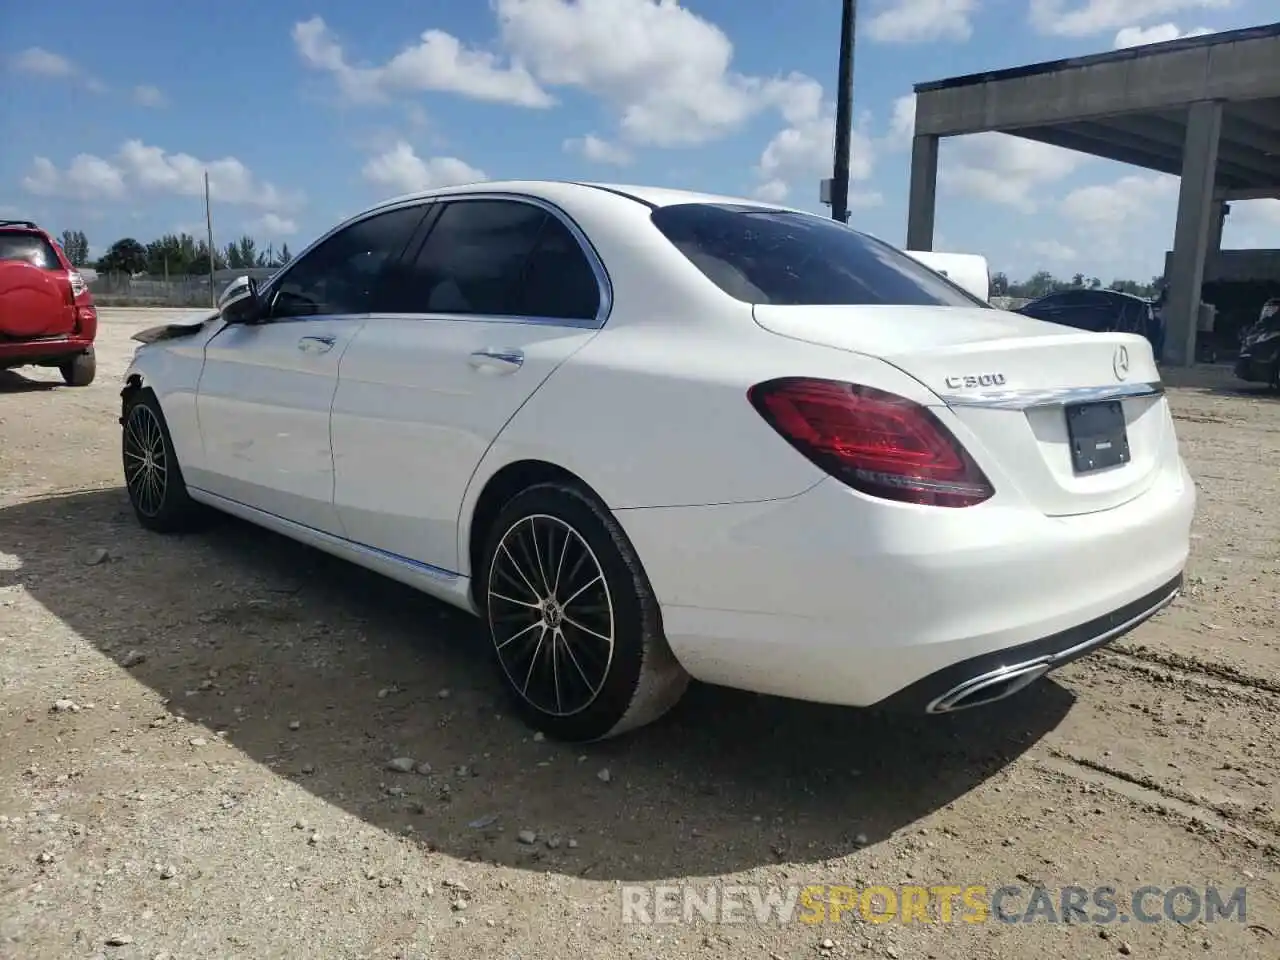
<point x="973" y="904"/>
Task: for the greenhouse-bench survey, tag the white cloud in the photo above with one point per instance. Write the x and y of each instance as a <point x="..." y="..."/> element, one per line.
<point x="665" y="71"/>
<point x="1119" y="229"/>
<point x="902" y="121"/>
<point x="597" y="150"/>
<point x="145" y="95"/>
<point x="772" y="191"/>
<point x="1131" y="198"/>
<point x="1004" y="169"/>
<point x="86" y="178"/>
<point x="1254" y="223"/>
<point x="1159" y="33"/>
<point x="38" y="62"/>
<point x="1083" y="18"/>
<point x="230" y="181"/>
<point x="438" y="62"/>
<point x="1054" y="251"/>
<point x="803" y="151"/>
<point x="151" y="170"/>
<point x="403" y="171"/>
<point x="273" y="225"/>
<point x="920" y="21"/>
<point x="1264" y="211"/>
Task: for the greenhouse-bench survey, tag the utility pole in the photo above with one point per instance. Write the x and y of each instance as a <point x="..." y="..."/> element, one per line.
<point x="844" y="114"/>
<point x="208" y="224"/>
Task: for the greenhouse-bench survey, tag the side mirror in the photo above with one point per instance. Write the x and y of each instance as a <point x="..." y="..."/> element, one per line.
<point x="241" y="302"/>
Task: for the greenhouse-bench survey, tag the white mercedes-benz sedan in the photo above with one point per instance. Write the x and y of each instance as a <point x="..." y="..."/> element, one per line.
<point x="649" y="435"/>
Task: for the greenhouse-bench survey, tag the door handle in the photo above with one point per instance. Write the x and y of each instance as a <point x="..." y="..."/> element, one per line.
<point x="316" y="344"/>
<point x="497" y="361"/>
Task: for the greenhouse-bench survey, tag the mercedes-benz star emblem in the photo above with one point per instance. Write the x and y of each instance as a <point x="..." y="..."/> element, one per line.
<point x="1120" y="362"/>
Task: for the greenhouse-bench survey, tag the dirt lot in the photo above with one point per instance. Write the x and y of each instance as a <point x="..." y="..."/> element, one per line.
<point x="220" y="787"/>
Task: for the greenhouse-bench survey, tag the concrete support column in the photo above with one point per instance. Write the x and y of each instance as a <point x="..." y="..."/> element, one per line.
<point x="924" y="192"/>
<point x="1192" y="234"/>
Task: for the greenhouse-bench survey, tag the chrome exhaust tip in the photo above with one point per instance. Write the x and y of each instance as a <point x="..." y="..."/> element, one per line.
<point x="988" y="688"/>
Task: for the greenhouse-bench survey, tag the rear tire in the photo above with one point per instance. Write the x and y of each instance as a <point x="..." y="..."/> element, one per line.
<point x="152" y="474"/>
<point x="80" y="370"/>
<point x="576" y="629"/>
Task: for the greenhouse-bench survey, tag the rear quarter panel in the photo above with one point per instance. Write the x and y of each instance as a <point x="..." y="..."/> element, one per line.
<point x="657" y="416"/>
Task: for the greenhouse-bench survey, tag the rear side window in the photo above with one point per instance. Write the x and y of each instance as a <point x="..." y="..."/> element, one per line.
<point x="557" y="281"/>
<point x="472" y="261"/>
<point x="31" y="247"/>
<point x="793" y="259"/>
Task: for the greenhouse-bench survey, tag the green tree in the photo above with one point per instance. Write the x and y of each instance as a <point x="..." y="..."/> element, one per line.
<point x="76" y="246"/>
<point x="126" y="255"/>
<point x="999" y="284"/>
<point x="284" y="256"/>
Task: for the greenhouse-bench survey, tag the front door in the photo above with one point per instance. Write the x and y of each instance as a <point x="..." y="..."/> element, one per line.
<point x="265" y="393"/>
<point x="498" y="296"/>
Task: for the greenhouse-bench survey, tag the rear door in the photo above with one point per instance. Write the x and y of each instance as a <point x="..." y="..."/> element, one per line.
<point x="501" y="292"/>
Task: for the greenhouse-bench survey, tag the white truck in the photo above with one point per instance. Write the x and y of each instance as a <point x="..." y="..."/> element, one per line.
<point x="967" y="270"/>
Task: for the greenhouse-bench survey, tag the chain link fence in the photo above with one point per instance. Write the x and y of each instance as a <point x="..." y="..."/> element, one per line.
<point x="123" y="290"/>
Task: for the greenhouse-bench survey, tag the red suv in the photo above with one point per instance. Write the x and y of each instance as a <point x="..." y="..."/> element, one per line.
<point x="47" y="316"/>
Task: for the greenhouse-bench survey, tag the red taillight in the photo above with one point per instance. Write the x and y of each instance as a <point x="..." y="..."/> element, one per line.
<point x="78" y="286"/>
<point x="876" y="442"/>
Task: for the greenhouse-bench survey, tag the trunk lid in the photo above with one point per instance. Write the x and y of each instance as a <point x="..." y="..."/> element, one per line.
<point x="1011" y="381"/>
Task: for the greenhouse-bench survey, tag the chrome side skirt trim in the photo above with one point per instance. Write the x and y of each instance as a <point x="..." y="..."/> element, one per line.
<point x="1029" y="399"/>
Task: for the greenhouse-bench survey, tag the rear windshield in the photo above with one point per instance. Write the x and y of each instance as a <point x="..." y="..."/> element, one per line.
<point x="759" y="255"/>
<point x="35" y="249"/>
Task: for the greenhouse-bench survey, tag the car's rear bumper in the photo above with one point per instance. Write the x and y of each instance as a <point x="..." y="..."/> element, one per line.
<point x="16" y="353"/>
<point x="820" y="598"/>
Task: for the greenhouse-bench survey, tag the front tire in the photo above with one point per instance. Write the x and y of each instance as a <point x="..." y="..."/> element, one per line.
<point x="152" y="474"/>
<point x="576" y="629"/>
<point x="80" y="370"/>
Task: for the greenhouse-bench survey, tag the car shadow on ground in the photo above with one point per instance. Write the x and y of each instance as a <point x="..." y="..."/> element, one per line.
<point x="13" y="382"/>
<point x="249" y="633"/>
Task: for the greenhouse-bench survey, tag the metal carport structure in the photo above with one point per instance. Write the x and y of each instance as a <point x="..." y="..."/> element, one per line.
<point x="1206" y="109"/>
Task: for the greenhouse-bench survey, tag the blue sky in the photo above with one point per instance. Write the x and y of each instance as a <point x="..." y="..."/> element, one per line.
<point x="305" y="111"/>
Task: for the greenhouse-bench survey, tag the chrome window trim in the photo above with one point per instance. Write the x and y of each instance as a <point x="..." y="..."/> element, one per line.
<point x="588" y="324"/>
<point x="1062" y="396"/>
<point x="594" y="260"/>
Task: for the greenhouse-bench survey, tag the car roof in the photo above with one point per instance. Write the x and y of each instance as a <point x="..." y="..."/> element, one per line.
<point x="549" y="189"/>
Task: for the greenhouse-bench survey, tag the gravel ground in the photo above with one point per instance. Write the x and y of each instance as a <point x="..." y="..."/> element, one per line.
<point x="195" y="736"/>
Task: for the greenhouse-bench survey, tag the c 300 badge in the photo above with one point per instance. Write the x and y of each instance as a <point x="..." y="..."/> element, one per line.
<point x="972" y="382"/>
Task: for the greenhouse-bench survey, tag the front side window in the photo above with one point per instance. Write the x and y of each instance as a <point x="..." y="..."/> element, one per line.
<point x="767" y="256"/>
<point x="341" y="275"/>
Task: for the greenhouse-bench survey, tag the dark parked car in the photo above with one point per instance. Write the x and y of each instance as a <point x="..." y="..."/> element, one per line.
<point x="1259" y="357"/>
<point x="1100" y="311"/>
